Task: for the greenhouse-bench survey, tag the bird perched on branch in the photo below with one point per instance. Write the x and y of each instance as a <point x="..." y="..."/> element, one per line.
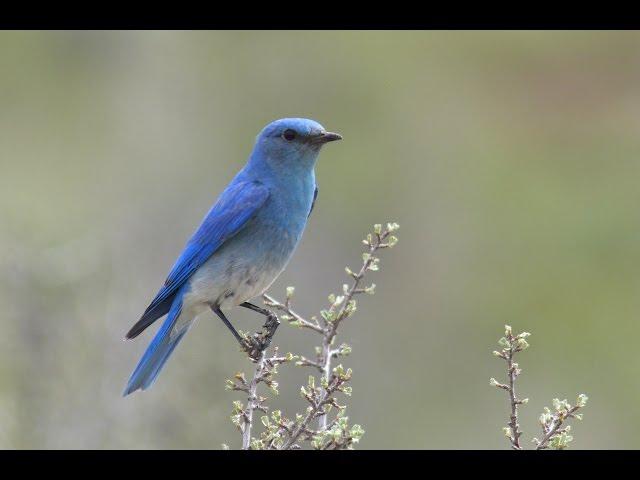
<point x="243" y="243"/>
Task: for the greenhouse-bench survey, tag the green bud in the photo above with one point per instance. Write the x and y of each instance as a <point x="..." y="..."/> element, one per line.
<point x="356" y="433"/>
<point x="377" y="228"/>
<point x="546" y="417"/>
<point x="503" y="342"/>
<point x="316" y="442"/>
<point x="351" y="308"/>
<point x="582" y="400"/>
<point x="560" y="441"/>
<point x="561" y="405"/>
<point x="273" y="386"/>
<point x="392" y="227"/>
<point x="257" y="444"/>
<point x="392" y="241"/>
<point x="345" y="349"/>
<point x="327" y="315"/>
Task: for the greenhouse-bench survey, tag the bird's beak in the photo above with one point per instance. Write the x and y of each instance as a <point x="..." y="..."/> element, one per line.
<point x="326" y="137"/>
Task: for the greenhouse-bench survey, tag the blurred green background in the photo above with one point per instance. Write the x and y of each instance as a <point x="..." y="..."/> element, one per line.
<point x="510" y="160"/>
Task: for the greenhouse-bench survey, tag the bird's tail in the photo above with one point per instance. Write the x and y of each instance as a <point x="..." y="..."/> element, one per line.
<point x="158" y="351"/>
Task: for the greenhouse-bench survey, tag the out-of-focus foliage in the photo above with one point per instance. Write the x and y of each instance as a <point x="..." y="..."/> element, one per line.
<point x="509" y="158"/>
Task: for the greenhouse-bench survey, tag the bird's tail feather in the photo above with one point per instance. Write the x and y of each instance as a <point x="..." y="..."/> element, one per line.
<point x="158" y="352"/>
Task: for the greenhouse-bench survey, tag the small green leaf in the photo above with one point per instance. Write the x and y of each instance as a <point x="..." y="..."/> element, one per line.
<point x="392" y="227"/>
<point x="582" y="400"/>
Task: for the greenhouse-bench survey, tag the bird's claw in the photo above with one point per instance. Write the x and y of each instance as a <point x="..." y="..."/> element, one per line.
<point x="260" y="341"/>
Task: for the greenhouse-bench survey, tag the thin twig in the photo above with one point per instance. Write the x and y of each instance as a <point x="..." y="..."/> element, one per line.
<point x="554" y="434"/>
<point x="512" y="344"/>
<point x="252" y="401"/>
<point x="555" y="428"/>
<point x="293" y="316"/>
<point x="331" y="327"/>
<point x="513" y="421"/>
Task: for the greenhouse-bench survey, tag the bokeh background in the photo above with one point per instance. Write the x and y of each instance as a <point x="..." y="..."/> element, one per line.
<point x="510" y="160"/>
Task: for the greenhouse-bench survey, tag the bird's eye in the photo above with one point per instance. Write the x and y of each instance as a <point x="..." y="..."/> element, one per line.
<point x="289" y="135"/>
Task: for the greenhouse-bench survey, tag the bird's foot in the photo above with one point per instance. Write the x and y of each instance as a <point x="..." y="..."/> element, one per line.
<point x="260" y="341"/>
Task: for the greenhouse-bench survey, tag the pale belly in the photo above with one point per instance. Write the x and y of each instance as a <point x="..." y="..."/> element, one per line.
<point x="242" y="269"/>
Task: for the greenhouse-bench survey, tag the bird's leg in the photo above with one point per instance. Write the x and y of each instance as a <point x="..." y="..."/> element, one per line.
<point x="267" y="313"/>
<point x="219" y="313"/>
<point x="261" y="341"/>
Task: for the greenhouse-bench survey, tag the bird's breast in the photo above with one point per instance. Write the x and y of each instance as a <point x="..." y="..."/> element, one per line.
<point x="245" y="266"/>
<point x="249" y="262"/>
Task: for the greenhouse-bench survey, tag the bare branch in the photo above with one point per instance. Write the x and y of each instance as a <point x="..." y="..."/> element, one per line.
<point x="555" y="435"/>
<point x="281" y="432"/>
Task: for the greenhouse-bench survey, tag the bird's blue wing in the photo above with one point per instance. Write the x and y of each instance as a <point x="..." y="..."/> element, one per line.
<point x="237" y="204"/>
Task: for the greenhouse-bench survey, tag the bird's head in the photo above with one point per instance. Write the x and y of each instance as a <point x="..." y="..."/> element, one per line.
<point x="292" y="143"/>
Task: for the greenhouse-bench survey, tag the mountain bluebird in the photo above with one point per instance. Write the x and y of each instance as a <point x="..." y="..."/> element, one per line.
<point x="243" y="243"/>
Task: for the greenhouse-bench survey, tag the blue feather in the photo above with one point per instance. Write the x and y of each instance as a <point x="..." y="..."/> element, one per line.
<point x="237" y="204"/>
<point x="158" y="351"/>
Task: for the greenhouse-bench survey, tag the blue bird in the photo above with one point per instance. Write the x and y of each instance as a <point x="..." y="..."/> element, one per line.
<point x="243" y="243"/>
